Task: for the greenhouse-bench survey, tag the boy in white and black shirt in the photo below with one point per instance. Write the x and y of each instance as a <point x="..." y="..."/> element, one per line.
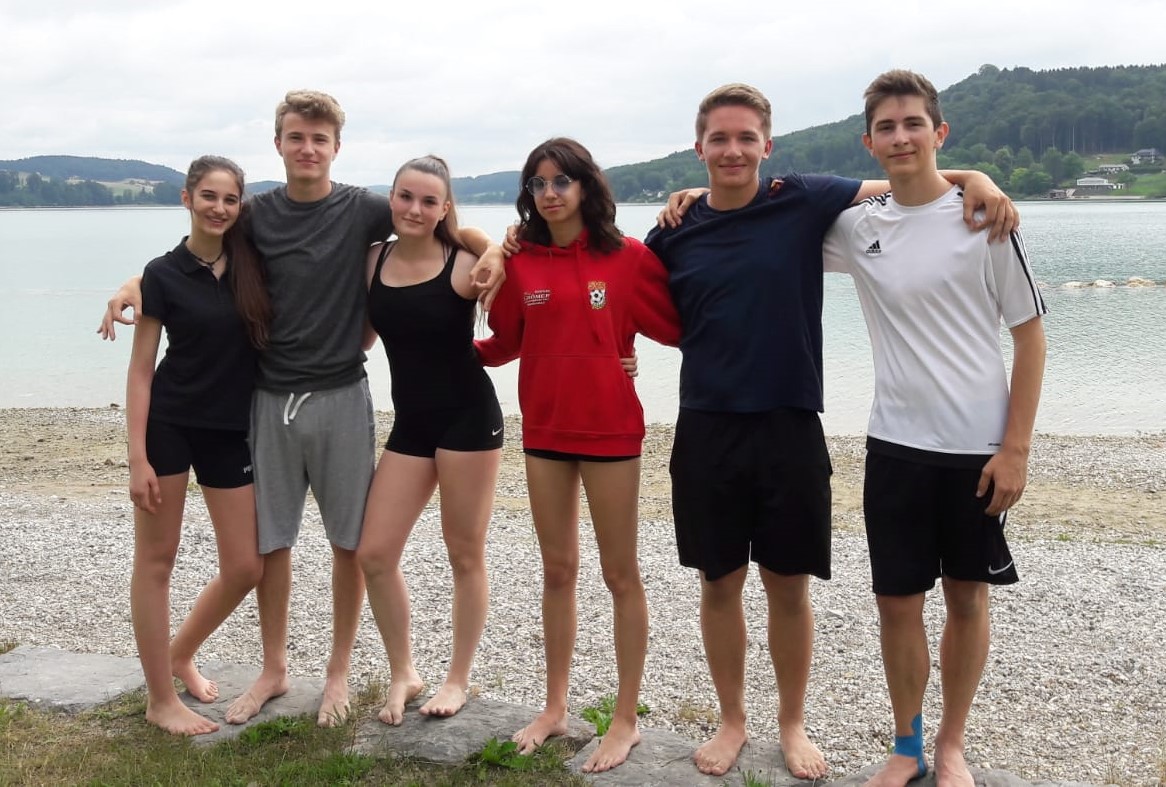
<point x="948" y="440"/>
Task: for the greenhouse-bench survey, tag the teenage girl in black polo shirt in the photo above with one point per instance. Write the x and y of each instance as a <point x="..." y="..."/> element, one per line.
<point x="192" y="411"/>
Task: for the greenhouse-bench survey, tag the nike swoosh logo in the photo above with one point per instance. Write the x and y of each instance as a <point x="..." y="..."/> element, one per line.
<point x="995" y="571"/>
<point x="495" y="432"/>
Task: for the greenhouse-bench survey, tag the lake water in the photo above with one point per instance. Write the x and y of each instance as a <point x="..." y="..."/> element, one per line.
<point x="1107" y="346"/>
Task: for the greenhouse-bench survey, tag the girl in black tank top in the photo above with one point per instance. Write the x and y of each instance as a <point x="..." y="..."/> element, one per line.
<point x="447" y="430"/>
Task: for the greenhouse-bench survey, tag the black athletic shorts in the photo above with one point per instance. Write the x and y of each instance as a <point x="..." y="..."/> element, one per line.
<point x="924" y="521"/>
<point x="751" y="486"/>
<point x="221" y="458"/>
<point x="474" y="428"/>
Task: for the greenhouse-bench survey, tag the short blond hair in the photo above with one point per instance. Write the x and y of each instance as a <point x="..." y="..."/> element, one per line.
<point x="310" y="104"/>
<point x="735" y="94"/>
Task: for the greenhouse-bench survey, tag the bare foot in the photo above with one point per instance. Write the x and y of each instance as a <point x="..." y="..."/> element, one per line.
<point x="614" y="747"/>
<point x="951" y="770"/>
<point x="266" y="687"/>
<point x="718" y="755"/>
<point x="802" y="757"/>
<point x="400" y="694"/>
<point x="446" y="701"/>
<point x="546" y="725"/>
<point x="177" y="719"/>
<point x="334" y="705"/>
<point x="197" y="686"/>
<point x="898" y="770"/>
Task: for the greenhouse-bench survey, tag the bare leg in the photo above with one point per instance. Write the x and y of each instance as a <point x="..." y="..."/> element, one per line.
<point x="467" y="494"/>
<point x="156" y="539"/>
<point x="347" y="596"/>
<point x="791" y="646"/>
<point x="273" y="595"/>
<point x="232" y="513"/>
<point x="400" y="489"/>
<point x="907" y="664"/>
<point x="613" y="490"/>
<point x="554" y="505"/>
<point x="963" y="652"/>
<point x="722" y="626"/>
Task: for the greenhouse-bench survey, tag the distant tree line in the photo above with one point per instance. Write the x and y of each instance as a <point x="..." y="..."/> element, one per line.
<point x="33" y="190"/>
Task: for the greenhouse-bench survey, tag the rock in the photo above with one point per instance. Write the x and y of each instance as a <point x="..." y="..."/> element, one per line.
<point x="55" y="679"/>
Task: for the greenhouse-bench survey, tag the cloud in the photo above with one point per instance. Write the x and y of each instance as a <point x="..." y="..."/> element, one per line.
<point x="483" y="83"/>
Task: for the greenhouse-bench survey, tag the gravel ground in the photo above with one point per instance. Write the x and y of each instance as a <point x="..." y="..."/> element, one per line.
<point x="1075" y="687"/>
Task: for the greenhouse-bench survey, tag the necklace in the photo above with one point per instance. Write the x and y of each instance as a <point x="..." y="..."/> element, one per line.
<point x="206" y="263"/>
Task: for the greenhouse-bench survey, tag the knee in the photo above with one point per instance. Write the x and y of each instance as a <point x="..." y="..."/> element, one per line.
<point x="900" y="610"/>
<point x="467" y="562"/>
<point x="965" y="600"/>
<point x="560" y="574"/>
<point x="622" y="581"/>
<point x="786" y="595"/>
<point x="244" y="576"/>
<point x="155" y="566"/>
<point x="373" y="561"/>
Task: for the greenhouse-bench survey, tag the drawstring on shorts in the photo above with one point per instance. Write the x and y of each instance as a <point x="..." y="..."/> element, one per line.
<point x="292" y="407"/>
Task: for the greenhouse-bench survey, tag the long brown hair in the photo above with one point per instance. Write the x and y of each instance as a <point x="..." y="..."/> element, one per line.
<point x="597" y="207"/>
<point x="245" y="271"/>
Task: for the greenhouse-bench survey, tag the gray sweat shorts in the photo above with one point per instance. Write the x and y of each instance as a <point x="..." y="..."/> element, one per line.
<point x="319" y="440"/>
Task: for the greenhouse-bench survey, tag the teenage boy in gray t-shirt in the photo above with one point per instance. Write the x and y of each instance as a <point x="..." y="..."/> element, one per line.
<point x="312" y="418"/>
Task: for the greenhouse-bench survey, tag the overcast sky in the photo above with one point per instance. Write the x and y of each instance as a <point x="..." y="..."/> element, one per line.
<point x="482" y="82"/>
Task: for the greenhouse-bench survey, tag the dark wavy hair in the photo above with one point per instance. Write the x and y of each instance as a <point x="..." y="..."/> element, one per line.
<point x="597" y="207"/>
<point x="244" y="268"/>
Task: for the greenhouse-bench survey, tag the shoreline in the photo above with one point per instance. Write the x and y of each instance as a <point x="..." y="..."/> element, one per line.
<point x="1072" y="690"/>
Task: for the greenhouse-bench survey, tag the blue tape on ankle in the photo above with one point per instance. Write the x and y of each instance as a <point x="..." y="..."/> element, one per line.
<point x="912" y="745"/>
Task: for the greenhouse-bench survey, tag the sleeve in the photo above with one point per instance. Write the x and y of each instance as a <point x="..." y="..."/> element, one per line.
<point x="836" y="257"/>
<point x="830" y="193"/>
<point x="653" y="313"/>
<point x="153" y="297"/>
<point x="380" y="216"/>
<point x="505" y="319"/>
<point x="1014" y="285"/>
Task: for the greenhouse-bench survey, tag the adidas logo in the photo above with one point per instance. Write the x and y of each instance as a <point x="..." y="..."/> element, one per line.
<point x="874" y="248"/>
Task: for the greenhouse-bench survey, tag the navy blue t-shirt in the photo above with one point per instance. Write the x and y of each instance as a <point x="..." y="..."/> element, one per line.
<point x="748" y="285"/>
<point x="208" y="373"/>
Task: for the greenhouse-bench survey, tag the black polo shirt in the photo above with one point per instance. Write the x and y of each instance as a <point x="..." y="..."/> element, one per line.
<point x="207" y="375"/>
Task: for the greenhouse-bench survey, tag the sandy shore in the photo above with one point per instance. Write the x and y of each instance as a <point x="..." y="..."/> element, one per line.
<point x="1073" y="689"/>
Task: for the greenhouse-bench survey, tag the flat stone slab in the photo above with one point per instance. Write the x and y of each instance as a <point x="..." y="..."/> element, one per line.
<point x="58" y="680"/>
<point x="55" y="679"/>
<point x="303" y="696"/>
<point x="449" y="741"/>
<point x="983" y="778"/>
<point x="664" y="759"/>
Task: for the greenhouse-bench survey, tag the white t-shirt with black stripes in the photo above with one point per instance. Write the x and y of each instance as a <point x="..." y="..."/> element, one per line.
<point x="934" y="295"/>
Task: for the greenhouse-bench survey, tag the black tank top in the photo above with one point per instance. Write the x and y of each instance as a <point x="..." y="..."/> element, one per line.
<point x="428" y="333"/>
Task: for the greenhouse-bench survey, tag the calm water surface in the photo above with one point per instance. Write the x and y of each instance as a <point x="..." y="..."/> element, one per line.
<point x="1107" y="347"/>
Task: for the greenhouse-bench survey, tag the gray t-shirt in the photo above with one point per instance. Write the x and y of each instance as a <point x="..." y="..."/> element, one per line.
<point x="314" y="255"/>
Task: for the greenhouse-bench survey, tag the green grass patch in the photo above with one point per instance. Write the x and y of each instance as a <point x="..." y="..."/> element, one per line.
<point x="601" y="713"/>
<point x="7" y="645"/>
<point x="1147" y="186"/>
<point x="114" y="745"/>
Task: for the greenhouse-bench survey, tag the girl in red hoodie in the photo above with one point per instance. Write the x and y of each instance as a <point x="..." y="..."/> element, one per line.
<point x="575" y="297"/>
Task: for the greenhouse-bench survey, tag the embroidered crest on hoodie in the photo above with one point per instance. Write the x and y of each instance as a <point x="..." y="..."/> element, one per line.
<point x="598" y="293"/>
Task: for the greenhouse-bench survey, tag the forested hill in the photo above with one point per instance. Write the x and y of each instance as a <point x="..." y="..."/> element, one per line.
<point x="97" y="169"/>
<point x="1001" y="121"/>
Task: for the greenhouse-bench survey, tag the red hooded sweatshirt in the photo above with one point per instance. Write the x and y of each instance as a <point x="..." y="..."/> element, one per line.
<point x="570" y="314"/>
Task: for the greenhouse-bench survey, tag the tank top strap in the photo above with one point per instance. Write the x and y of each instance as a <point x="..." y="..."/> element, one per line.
<point x="450" y="259"/>
<point x="385" y="247"/>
